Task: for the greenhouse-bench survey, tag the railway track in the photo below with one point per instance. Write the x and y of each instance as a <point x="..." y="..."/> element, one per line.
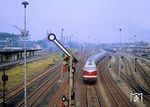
<point x="145" y="61"/>
<point x="148" y="64"/>
<point x="146" y="67"/>
<point x="78" y="80"/>
<point x="98" y="96"/>
<point x="83" y="95"/>
<point x="56" y="101"/>
<point x="126" y="65"/>
<point x="115" y="92"/>
<point x="138" y="88"/>
<point x="139" y="68"/>
<point x="135" y="86"/>
<point x="92" y="96"/>
<point x="17" y="92"/>
<point x="143" y="74"/>
<point x="32" y="98"/>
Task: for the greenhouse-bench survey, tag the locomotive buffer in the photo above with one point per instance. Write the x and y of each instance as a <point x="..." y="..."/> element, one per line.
<point x="72" y="60"/>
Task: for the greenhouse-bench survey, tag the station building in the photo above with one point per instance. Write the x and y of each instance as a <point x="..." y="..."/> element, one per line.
<point x="11" y="48"/>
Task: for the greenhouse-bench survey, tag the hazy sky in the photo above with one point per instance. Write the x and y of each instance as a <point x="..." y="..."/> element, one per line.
<point x="98" y="19"/>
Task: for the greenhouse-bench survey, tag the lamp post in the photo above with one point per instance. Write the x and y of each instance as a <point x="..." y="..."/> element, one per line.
<point x="120" y="29"/>
<point x="25" y="3"/>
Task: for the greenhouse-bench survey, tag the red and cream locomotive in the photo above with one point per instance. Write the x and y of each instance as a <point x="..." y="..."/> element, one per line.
<point x="90" y="69"/>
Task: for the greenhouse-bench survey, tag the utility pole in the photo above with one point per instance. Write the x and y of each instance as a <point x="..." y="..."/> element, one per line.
<point x="25" y="3"/>
<point x="72" y="60"/>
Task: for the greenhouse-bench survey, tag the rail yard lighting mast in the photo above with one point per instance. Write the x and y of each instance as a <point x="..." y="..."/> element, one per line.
<point x="25" y="3"/>
<point x="72" y="59"/>
<point x="120" y="29"/>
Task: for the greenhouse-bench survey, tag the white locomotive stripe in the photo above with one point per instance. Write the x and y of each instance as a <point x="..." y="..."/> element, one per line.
<point x="89" y="76"/>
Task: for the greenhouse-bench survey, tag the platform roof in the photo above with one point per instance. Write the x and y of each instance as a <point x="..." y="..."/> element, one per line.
<point x="12" y="51"/>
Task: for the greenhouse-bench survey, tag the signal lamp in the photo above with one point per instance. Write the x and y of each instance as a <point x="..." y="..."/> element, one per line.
<point x="4" y="78"/>
<point x="73" y="69"/>
<point x="75" y="60"/>
<point x="73" y="96"/>
<point x="63" y="98"/>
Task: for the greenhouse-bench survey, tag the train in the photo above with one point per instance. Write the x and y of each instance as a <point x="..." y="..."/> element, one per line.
<point x="90" y="69"/>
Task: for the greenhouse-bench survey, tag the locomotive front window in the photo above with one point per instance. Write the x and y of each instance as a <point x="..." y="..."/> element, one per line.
<point x="90" y="68"/>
